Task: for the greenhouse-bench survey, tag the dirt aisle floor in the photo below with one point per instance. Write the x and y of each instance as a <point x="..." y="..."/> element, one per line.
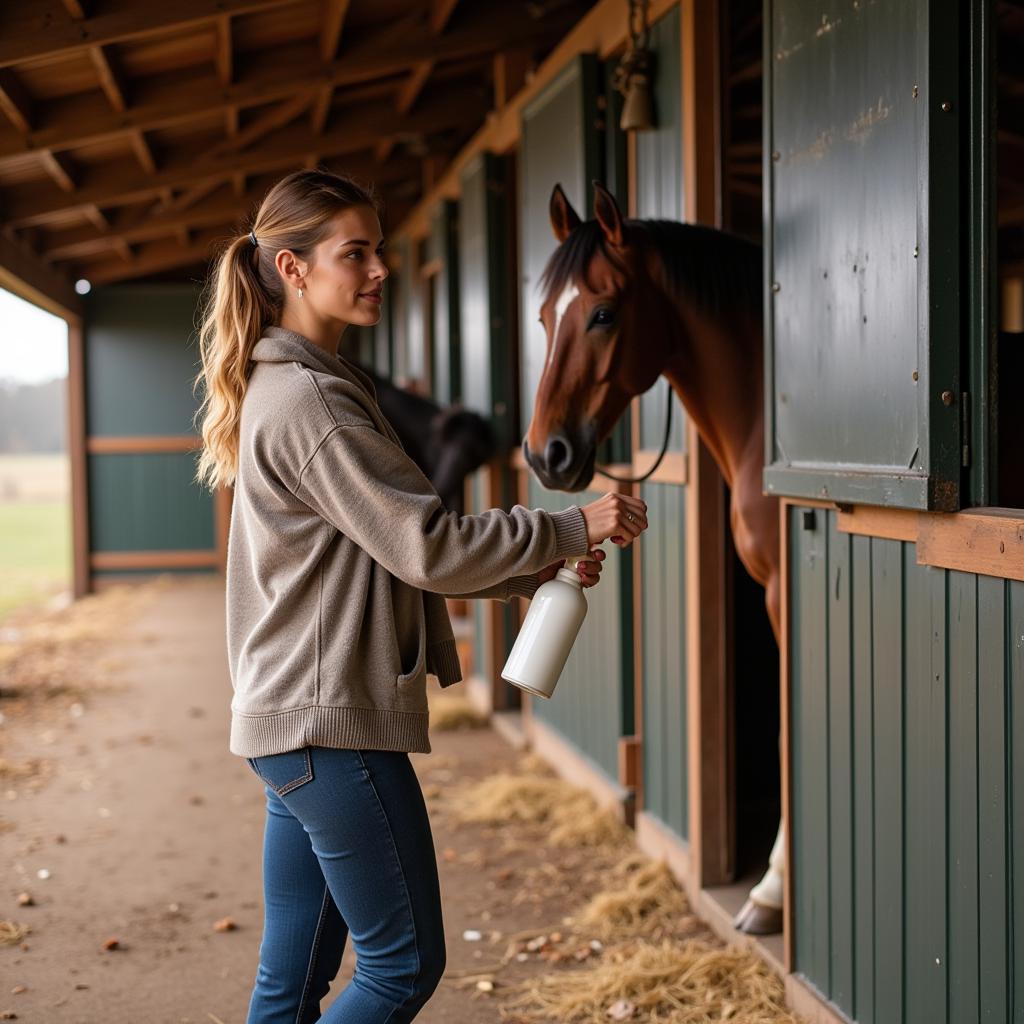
<point x="124" y="817"/>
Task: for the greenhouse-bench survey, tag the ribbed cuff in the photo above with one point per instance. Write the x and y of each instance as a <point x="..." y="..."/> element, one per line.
<point x="570" y="533"/>
<point x="443" y="662"/>
<point x="523" y="586"/>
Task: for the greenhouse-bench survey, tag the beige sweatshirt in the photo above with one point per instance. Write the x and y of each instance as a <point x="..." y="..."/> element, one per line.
<point x="338" y="554"/>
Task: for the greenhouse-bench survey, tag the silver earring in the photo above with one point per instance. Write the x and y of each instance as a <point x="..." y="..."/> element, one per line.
<point x="300" y="293"/>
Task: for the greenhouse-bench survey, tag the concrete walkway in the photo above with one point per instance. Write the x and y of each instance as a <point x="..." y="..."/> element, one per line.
<point x="150" y="831"/>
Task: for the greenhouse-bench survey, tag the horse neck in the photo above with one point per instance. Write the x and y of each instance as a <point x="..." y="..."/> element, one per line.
<point x="716" y="370"/>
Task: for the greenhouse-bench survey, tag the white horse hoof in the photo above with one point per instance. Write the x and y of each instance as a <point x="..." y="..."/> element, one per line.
<point x="756" y="919"/>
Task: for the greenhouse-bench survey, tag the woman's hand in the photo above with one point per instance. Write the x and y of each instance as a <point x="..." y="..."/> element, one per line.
<point x="620" y="517"/>
<point x="589" y="570"/>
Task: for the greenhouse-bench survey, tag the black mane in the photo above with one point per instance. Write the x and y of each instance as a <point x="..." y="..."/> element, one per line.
<point x="716" y="270"/>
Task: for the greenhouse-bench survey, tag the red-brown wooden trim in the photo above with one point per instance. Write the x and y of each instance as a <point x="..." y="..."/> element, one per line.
<point x="113" y="560"/>
<point x="132" y="445"/>
<point x="77" y="460"/>
<point x="871" y="521"/>
<point x="673" y="468"/>
<point x="989" y="541"/>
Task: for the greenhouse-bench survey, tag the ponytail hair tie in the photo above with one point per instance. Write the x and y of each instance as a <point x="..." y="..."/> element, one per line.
<point x="252" y="238"/>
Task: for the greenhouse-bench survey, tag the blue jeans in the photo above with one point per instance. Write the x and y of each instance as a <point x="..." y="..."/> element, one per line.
<point x="347" y="848"/>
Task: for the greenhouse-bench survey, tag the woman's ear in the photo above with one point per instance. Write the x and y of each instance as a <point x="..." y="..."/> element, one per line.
<point x="291" y="269"/>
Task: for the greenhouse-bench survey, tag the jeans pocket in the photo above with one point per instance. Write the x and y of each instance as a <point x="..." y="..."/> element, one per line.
<point x="284" y="772"/>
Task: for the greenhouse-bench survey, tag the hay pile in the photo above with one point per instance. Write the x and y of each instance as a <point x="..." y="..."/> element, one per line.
<point x="669" y="983"/>
<point x="46" y="655"/>
<point x="634" y="950"/>
<point x="449" y="712"/>
<point x="569" y="815"/>
<point x="641" y="898"/>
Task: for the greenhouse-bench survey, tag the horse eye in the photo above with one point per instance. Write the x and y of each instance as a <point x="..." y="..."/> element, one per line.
<point x="602" y="317"/>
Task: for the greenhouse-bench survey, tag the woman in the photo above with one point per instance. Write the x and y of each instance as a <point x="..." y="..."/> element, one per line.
<point x="338" y="557"/>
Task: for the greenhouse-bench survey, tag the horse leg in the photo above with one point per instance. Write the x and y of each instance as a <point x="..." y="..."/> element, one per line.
<point x="761" y="914"/>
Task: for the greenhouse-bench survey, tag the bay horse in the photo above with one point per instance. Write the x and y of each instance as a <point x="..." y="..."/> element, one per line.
<point x="624" y="302"/>
<point x="447" y="442"/>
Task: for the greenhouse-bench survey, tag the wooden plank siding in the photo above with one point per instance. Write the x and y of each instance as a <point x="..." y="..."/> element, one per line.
<point x="593" y="705"/>
<point x="657" y="192"/>
<point x="140" y="357"/>
<point x="904" y="792"/>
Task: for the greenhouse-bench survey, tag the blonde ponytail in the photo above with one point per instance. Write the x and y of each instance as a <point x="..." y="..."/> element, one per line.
<point x="244" y="297"/>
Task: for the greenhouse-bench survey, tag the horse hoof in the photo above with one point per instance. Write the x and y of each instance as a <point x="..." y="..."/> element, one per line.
<point x="754" y="919"/>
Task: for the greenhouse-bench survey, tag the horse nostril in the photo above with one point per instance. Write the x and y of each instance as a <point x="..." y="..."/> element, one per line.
<point x="558" y="455"/>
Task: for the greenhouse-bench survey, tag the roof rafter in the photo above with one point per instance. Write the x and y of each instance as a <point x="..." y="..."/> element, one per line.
<point x="356" y="132"/>
<point x="15" y="101"/>
<point x="276" y="81"/>
<point x="110" y="78"/>
<point x="28" y="31"/>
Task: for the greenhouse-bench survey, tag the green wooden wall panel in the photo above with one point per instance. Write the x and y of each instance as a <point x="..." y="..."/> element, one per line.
<point x="141" y="359"/>
<point x="810" y="744"/>
<point x="997" y="631"/>
<point x="887" y="732"/>
<point x="486" y="306"/>
<point x="446" y="366"/>
<point x="663" y="639"/>
<point x="147" y="502"/>
<point x="863" y="237"/>
<point x="925" y="960"/>
<point x="916" y="748"/>
<point x="659" y="195"/>
<point x="1013" y="649"/>
<point x="864" y="785"/>
<point x="840" y="764"/>
<point x="560" y="144"/>
<point x="593" y="704"/>
<point x="963" y="797"/>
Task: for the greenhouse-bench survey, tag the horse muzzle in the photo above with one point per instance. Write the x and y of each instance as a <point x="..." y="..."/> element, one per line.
<point x="563" y="465"/>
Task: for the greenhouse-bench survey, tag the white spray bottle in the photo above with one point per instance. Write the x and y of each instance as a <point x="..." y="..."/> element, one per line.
<point x="552" y="623"/>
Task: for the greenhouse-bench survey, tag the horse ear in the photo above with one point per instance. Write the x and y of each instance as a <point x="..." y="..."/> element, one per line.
<point x="564" y="219"/>
<point x="606" y="209"/>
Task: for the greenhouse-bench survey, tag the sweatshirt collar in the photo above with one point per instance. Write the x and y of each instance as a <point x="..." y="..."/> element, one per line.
<point x="279" y="345"/>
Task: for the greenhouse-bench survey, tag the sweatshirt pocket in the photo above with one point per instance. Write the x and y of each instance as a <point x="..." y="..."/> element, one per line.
<point x="417" y="670"/>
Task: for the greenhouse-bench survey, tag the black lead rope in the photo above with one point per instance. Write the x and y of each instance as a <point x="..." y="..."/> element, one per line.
<point x="664" y="448"/>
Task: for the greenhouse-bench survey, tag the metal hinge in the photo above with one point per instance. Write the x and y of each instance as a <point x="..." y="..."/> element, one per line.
<point x="965" y="429"/>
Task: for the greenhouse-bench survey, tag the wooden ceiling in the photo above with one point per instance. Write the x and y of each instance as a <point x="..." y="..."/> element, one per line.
<point x="135" y="136"/>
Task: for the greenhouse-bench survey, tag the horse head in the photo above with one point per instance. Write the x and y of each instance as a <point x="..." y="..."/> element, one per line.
<point x="607" y="341"/>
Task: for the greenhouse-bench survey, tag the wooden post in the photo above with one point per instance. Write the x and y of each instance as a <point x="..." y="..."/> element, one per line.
<point x="81" y="573"/>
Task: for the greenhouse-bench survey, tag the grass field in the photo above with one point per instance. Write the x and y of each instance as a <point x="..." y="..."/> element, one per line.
<point x="35" y="529"/>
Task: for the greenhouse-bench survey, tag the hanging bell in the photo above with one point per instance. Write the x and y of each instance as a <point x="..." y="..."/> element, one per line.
<point x="637" y="108"/>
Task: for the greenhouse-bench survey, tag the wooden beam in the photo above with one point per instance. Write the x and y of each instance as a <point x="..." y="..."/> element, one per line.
<point x="382" y="150"/>
<point x="231" y="120"/>
<point x="509" y="69"/>
<point x="72" y="127"/>
<point x="76" y="9"/>
<point x="97" y="217"/>
<point x="77" y="244"/>
<point x="15" y="101"/>
<point x="602" y="30"/>
<point x="107" y="187"/>
<point x="143" y="152"/>
<point x="25" y="274"/>
<point x="155" y="259"/>
<point x="115" y="560"/>
<point x="321" y="108"/>
<point x="26" y="33"/>
<point x="441" y="12"/>
<point x="60" y="168"/>
<point x="77" y="458"/>
<point x="413" y="86"/>
<point x="110" y="79"/>
<point x="335" y="12"/>
<point x="135" y="444"/>
<point x="223" y="51"/>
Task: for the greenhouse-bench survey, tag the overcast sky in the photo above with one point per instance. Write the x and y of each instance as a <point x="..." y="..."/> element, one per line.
<point x="33" y="343"/>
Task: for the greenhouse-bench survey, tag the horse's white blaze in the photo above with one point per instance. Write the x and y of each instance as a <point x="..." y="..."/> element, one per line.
<point x="569" y="292"/>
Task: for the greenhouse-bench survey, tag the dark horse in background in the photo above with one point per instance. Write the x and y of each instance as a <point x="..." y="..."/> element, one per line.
<point x="447" y="443"/>
<point x="626" y="301"/>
